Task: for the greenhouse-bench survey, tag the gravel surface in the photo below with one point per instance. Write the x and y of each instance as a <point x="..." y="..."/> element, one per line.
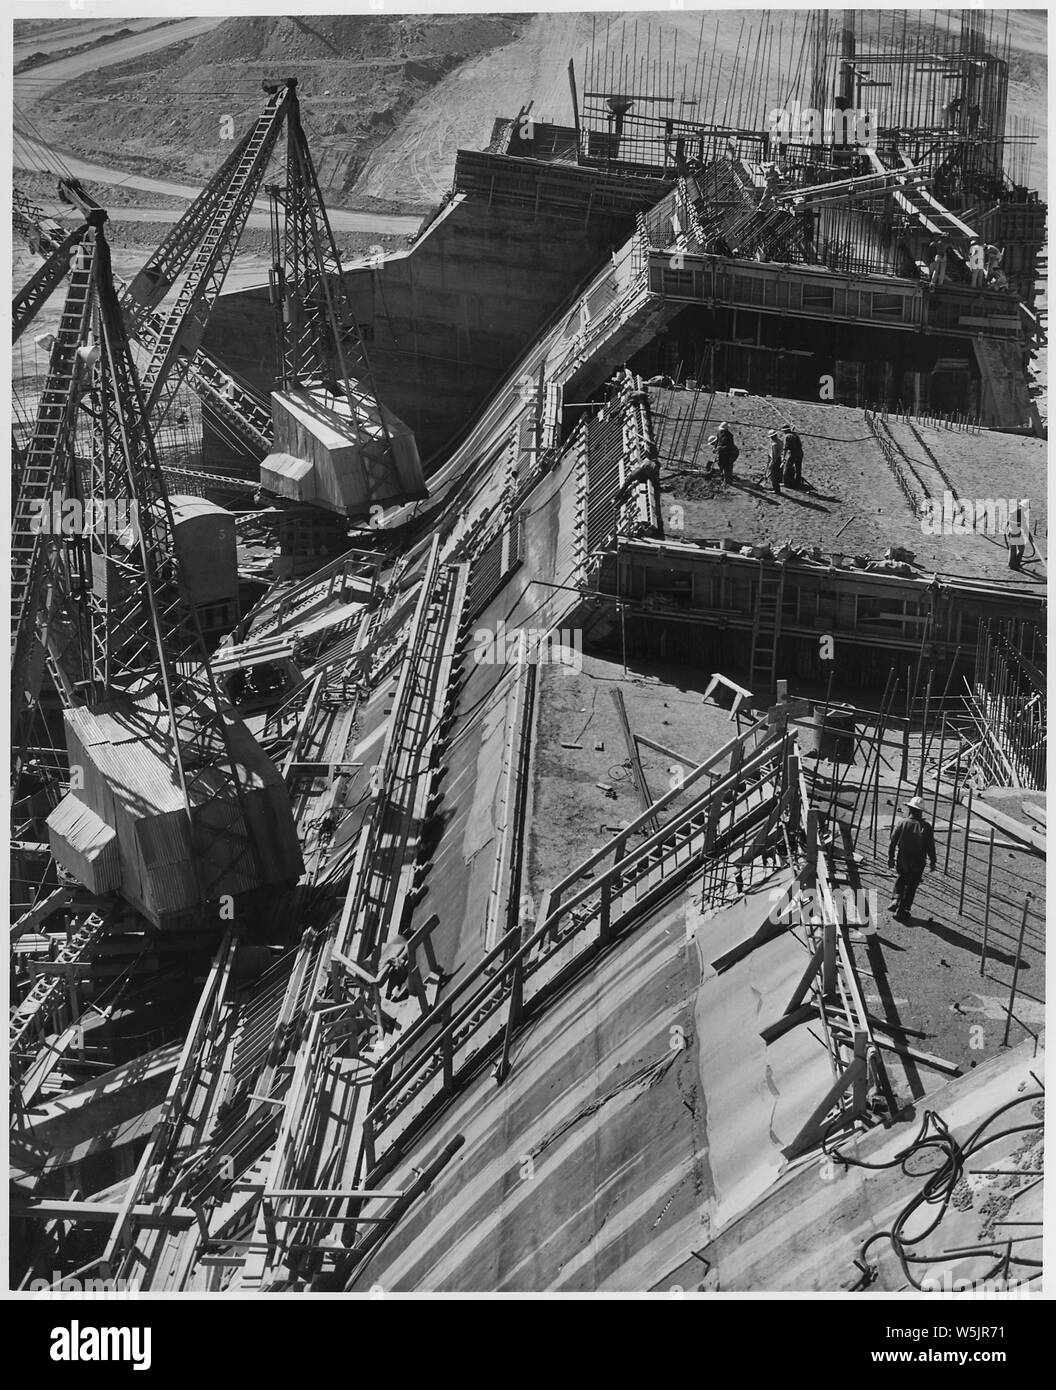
<point x="851" y="501"/>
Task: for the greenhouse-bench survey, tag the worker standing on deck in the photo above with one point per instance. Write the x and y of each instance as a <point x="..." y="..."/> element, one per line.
<point x="726" y="451"/>
<point x="996" y="278"/>
<point x="1015" y="539"/>
<point x="774" y="461"/>
<point x="937" y="259"/>
<point x="912" y="845"/>
<point x="794" y="453"/>
<point x="977" y="264"/>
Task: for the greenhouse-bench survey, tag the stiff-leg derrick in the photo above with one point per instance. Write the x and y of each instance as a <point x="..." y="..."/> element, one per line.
<point x="208" y="242"/>
<point x="146" y="642"/>
<point x="320" y="340"/>
<point x="108" y="604"/>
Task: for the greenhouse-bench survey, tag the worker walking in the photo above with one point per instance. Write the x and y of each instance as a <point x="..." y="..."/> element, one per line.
<point x="794" y="453"/>
<point x="774" y="461"/>
<point x="912" y="845"/>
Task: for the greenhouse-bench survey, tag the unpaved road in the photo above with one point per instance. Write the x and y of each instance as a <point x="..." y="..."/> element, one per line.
<point x="27" y="148"/>
<point x="58" y="35"/>
<point x="31" y="86"/>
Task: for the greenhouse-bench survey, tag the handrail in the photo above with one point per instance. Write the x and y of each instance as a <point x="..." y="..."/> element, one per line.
<point x="700" y="770"/>
<point x="623" y="866"/>
<point x="518" y="958"/>
<point x="426" y="1022"/>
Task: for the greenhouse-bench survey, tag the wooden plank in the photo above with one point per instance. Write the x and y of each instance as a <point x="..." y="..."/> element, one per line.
<point x="1016" y="828"/>
<point x="659" y="748"/>
<point x="800" y="992"/>
<point x="810" y="1131"/>
<point x="927" y="1059"/>
<point x="47" y="1209"/>
<point x="784" y="1025"/>
<point x="637" y="772"/>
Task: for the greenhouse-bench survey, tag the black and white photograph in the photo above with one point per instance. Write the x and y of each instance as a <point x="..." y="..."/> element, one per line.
<point x="528" y="717"/>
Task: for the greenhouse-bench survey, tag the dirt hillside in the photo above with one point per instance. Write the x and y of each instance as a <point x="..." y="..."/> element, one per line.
<point x="358" y="77"/>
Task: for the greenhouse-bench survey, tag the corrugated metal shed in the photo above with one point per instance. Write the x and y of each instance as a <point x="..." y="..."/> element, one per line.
<point x="352" y="460"/>
<point x="130" y="783"/>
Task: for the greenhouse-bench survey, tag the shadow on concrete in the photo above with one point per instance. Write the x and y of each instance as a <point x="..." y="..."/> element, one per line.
<point x="964" y="943"/>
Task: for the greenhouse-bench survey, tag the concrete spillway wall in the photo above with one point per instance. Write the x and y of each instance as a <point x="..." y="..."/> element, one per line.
<point x="444" y="320"/>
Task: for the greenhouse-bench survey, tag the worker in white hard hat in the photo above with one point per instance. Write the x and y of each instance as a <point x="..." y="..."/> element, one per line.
<point x="710" y="462"/>
<point x="726" y="451"/>
<point x="773" y="460"/>
<point x="912" y="845"/>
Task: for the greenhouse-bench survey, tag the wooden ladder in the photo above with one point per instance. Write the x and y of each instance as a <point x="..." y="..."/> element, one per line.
<point x="766" y="626"/>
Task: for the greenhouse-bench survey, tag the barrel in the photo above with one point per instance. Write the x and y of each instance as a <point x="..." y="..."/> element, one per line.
<point x="830" y="733"/>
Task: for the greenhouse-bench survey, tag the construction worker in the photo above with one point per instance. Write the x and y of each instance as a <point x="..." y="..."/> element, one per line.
<point x="1015" y="539"/>
<point x="394" y="967"/>
<point x="937" y="262"/>
<point x="912" y="845"/>
<point x="995" y="276"/>
<point x="773" y="463"/>
<point x="710" y="462"/>
<point x="794" y="453"/>
<point x="726" y="451"/>
<point x="997" y="279"/>
<point x="772" y="189"/>
<point x="977" y="263"/>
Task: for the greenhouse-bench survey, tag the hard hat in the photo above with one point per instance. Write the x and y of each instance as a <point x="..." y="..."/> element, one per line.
<point x="916" y="804"/>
